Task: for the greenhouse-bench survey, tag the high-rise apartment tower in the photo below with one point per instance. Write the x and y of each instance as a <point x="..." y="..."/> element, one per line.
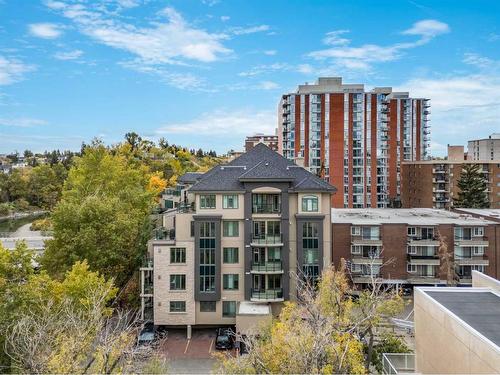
<point x="353" y="138"/>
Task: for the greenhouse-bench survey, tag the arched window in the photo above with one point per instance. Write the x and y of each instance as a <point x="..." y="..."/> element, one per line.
<point x="310" y="203"/>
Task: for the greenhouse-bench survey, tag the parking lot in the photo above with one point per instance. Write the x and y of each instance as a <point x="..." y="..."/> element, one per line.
<point x="193" y="356"/>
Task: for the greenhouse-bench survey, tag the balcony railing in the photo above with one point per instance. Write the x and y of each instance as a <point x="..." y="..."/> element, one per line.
<point x="266" y="208"/>
<point x="185" y="207"/>
<point x="267" y="294"/>
<point x="270" y="266"/>
<point x="398" y="363"/>
<point x="164" y="234"/>
<point x="267" y="239"/>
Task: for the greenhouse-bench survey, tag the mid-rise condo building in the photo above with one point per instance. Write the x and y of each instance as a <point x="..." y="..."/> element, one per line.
<point x="414" y="246"/>
<point x="434" y="183"/>
<point x="269" y="140"/>
<point x="353" y="138"/>
<point x="485" y="148"/>
<point x="241" y="232"/>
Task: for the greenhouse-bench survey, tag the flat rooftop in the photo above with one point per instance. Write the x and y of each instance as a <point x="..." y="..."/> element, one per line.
<point x="446" y="161"/>
<point x="480" y="309"/>
<point x="409" y="216"/>
<point x="493" y="213"/>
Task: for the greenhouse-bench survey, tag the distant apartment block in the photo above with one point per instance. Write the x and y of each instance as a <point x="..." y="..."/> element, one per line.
<point x="270" y="141"/>
<point x="484" y="149"/>
<point x="401" y="246"/>
<point x="434" y="183"/>
<point x="353" y="138"/>
<point x="234" y="240"/>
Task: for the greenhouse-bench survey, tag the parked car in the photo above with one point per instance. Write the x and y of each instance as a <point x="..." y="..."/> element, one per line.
<point x="147" y="335"/>
<point x="224" y="339"/>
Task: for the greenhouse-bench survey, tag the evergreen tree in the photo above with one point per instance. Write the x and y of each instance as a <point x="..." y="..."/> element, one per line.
<point x="472" y="187"/>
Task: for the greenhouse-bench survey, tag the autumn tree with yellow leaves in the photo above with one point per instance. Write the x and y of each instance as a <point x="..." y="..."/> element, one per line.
<point x="319" y="333"/>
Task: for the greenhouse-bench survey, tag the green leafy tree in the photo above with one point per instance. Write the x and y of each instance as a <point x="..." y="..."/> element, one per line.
<point x="45" y="185"/>
<point x="15" y="270"/>
<point x="17" y="185"/>
<point x="103" y="216"/>
<point x="472" y="185"/>
<point x="387" y="343"/>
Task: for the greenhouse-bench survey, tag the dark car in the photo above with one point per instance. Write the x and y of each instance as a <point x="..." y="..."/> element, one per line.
<point x="147" y="335"/>
<point x="224" y="339"/>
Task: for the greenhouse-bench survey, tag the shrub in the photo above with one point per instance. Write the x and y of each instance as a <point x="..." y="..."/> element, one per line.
<point x="41" y="225"/>
<point x="4" y="209"/>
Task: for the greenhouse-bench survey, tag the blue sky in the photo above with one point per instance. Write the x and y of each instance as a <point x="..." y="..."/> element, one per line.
<point x="205" y="73"/>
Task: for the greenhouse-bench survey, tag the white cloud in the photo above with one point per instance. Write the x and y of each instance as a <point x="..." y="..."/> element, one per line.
<point x="249" y="30"/>
<point x="22" y="122"/>
<point x="428" y="28"/>
<point x="477" y="60"/>
<point x="270" y="52"/>
<point x="343" y="55"/>
<point x="172" y="41"/>
<point x="225" y="18"/>
<point x="185" y="81"/>
<point x="267" y="85"/>
<point x="70" y="55"/>
<point x="224" y="122"/>
<point x="12" y="70"/>
<point x="463" y="106"/>
<point x="266" y="68"/>
<point x="333" y="38"/>
<point x="210" y="3"/>
<point x="45" y="30"/>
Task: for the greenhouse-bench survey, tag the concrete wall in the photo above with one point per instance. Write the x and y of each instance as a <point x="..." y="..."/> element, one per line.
<point x="446" y="345"/>
<point x="480" y="280"/>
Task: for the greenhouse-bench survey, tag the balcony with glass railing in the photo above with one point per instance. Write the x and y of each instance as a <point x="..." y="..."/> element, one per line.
<point x="269" y="266"/>
<point x="398" y="363"/>
<point x="267" y="239"/>
<point x="162" y="233"/>
<point x="266" y="208"/>
<point x="267" y="295"/>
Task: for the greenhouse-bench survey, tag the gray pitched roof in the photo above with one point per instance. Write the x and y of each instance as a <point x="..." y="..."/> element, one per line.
<point x="260" y="164"/>
<point x="190" y="177"/>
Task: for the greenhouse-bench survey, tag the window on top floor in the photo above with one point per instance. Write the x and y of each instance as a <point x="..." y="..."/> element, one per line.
<point x="230" y="201"/>
<point x="310" y="203"/>
<point x="207" y="201"/>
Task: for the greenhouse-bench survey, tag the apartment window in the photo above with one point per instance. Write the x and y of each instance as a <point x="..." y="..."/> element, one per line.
<point x="477" y="267"/>
<point x="177" y="282"/>
<point x="228" y="309"/>
<point x="478" y="232"/>
<point x="177" y="306"/>
<point x="355" y="231"/>
<point x="178" y="255"/>
<point x="230" y="201"/>
<point x="208" y="306"/>
<point x="427" y="233"/>
<point x="192" y="229"/>
<point x="207" y="201"/>
<point x="355" y="267"/>
<point x="412" y="231"/>
<point x="207" y="256"/>
<point x="371" y="233"/>
<point x="355" y="249"/>
<point x="230" y="229"/>
<point x="478" y="250"/>
<point x="230" y="281"/>
<point x="412" y="250"/>
<point x="411" y="268"/>
<point x="310" y="203"/>
<point x="230" y="255"/>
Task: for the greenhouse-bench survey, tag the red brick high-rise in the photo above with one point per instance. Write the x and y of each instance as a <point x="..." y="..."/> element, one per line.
<point x="355" y="139"/>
